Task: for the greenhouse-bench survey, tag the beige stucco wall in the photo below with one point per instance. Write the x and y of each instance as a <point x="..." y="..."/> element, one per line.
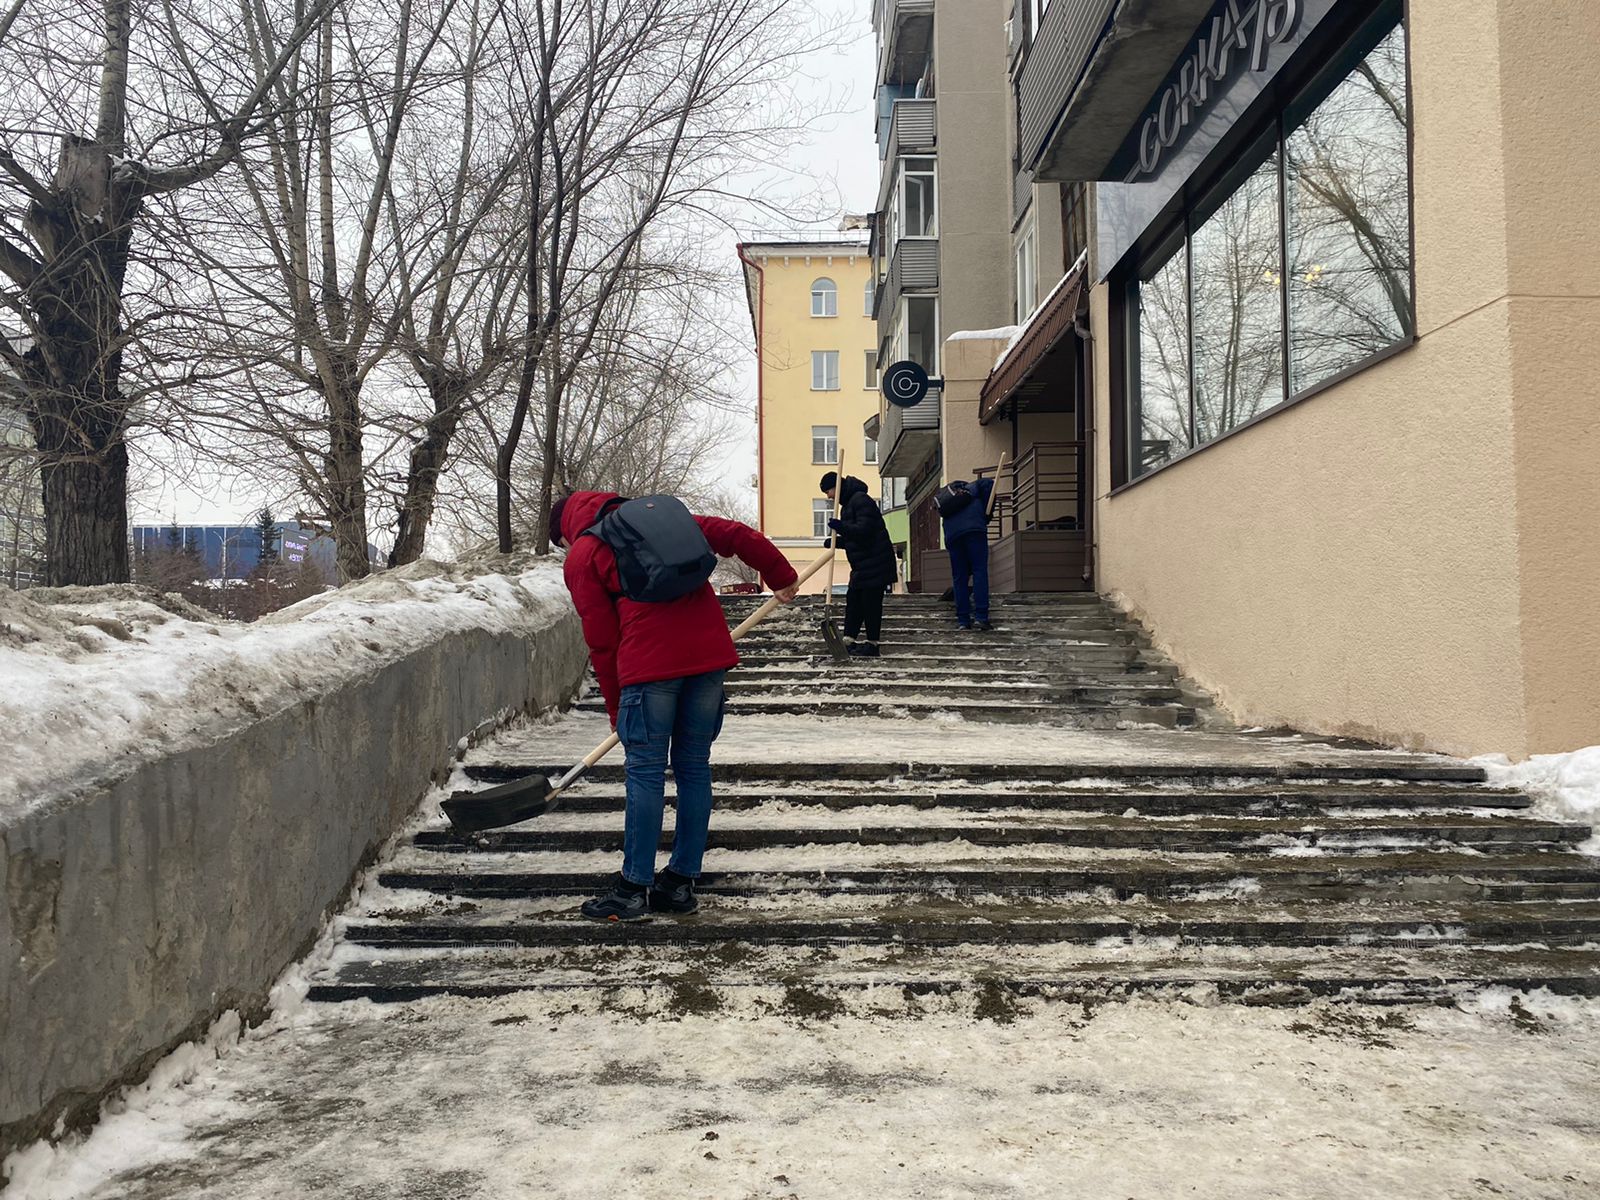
<point x="1414" y="554"/>
<point x="974" y="167"/>
<point x="965" y="443"/>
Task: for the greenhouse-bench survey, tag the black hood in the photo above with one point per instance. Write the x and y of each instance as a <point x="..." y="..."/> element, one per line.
<point x="851" y="487"/>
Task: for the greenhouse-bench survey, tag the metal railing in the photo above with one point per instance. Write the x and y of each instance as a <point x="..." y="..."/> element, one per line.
<point x="1042" y="489"/>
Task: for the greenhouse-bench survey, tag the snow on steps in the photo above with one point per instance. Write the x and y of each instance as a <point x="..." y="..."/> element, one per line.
<point x="855" y="852"/>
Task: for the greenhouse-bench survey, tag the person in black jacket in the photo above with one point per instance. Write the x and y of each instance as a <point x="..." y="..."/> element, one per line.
<point x="865" y="538"/>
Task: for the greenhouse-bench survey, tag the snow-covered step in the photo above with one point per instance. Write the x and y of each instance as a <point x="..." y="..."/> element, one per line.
<point x="1453" y="873"/>
<point x="957" y="768"/>
<point x="1245" y="836"/>
<point x="1039" y="672"/>
<point x="932" y="920"/>
<point x="1245" y="801"/>
<point x="919" y="689"/>
<point x="1080" y="715"/>
<point x="1263" y="973"/>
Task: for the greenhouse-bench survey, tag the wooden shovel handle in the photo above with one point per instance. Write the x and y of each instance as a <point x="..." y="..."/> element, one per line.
<point x="995" y="495"/>
<point x="766" y="610"/>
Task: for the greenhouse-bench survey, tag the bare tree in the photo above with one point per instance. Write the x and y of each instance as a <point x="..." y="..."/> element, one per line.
<point x="78" y="168"/>
<point x="638" y="114"/>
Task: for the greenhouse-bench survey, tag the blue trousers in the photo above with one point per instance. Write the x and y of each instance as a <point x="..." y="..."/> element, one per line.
<point x="969" y="576"/>
<point x="672" y="720"/>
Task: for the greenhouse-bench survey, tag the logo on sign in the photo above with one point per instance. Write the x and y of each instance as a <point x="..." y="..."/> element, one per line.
<point x="904" y="384"/>
<point x="1241" y="33"/>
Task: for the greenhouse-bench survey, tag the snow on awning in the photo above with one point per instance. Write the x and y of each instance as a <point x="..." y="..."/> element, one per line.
<point x="1031" y="345"/>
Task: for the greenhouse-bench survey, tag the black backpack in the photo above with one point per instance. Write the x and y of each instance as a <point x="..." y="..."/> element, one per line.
<point x="952" y="498"/>
<point x="662" y="554"/>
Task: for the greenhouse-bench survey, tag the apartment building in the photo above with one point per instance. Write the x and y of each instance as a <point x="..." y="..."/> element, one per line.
<point x="939" y="232"/>
<point x="811" y="302"/>
<point x="1315" y="297"/>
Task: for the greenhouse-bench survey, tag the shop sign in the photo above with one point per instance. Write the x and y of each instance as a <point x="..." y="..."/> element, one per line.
<point x="1240" y="36"/>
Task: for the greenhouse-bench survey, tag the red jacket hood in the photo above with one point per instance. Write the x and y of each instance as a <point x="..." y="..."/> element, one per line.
<point x="583" y="510"/>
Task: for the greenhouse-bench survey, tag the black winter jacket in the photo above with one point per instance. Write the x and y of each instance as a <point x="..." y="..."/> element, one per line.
<point x="864" y="536"/>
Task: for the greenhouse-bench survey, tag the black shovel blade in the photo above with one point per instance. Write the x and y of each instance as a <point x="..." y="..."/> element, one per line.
<point x="835" y="640"/>
<point x="520" y="800"/>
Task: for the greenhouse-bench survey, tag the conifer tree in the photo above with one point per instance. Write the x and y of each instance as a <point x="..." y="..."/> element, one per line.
<point x="267" y="531"/>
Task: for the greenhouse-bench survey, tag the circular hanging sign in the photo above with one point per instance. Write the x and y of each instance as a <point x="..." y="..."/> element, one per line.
<point x="904" y="384"/>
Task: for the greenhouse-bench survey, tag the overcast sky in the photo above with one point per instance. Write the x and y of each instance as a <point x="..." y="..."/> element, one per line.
<point x="832" y="171"/>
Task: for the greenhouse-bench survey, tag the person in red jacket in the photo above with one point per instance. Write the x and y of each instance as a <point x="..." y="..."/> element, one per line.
<point x="660" y="667"/>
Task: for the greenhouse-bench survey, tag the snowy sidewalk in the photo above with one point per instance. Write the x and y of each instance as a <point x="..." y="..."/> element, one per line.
<point x="577" y="1097"/>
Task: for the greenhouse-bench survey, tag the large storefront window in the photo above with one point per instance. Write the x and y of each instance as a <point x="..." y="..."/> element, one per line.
<point x="1349" y="220"/>
<point x="1296" y="268"/>
<point x="1163" y="386"/>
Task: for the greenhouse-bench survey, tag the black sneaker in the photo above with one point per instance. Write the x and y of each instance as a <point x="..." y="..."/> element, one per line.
<point x="624" y="902"/>
<point x="673" y="893"/>
<point x="986" y="626"/>
<point x="963" y="624"/>
<point x="864" y="650"/>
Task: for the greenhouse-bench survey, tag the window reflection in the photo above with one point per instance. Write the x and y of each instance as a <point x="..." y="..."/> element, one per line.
<point x="1238" y="311"/>
<point x="1349" y="220"/>
<point x="1163" y="341"/>
<point x="1341" y="207"/>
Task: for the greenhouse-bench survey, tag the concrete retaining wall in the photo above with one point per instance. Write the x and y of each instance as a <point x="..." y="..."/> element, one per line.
<point x="136" y="913"/>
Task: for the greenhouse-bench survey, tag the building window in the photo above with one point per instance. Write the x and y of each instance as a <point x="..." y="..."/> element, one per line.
<point x="914" y="211"/>
<point x="1027" y="267"/>
<point x="1294" y="270"/>
<point x="825" y="445"/>
<point x="868" y="294"/>
<point x="824" y="370"/>
<point x="1074" y="222"/>
<point x="869" y="451"/>
<point x="916" y="334"/>
<point x="824" y="298"/>
<point x="870" y="378"/>
<point x="821" y="510"/>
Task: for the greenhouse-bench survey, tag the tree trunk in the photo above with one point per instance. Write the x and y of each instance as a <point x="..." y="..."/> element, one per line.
<point x="553" y="391"/>
<point x="422" y="479"/>
<point x="71" y="373"/>
<point x="346" y="480"/>
<point x="86" y="520"/>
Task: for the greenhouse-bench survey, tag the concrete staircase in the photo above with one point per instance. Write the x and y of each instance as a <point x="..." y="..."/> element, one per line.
<point x="1095" y="845"/>
<point x="1056" y="659"/>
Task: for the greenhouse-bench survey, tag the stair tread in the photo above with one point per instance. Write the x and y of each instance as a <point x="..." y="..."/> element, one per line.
<point x="401" y="974"/>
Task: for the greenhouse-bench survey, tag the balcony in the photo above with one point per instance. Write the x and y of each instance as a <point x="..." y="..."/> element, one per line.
<point x="1092" y="68"/>
<point x="911" y="128"/>
<point x="908" y="435"/>
<point x="905" y="39"/>
<point x="913" y="267"/>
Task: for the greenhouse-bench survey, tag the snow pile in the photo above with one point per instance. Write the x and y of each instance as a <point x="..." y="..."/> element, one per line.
<point x="1564" y="787"/>
<point x="973" y="335"/>
<point x="98" y="680"/>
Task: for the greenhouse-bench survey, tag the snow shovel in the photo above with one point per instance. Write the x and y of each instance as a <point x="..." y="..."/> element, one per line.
<point x="830" y="631"/>
<point x="534" y="795"/>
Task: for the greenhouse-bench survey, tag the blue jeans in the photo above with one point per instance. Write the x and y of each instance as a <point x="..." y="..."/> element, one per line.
<point x="969" y="560"/>
<point x="672" y="720"/>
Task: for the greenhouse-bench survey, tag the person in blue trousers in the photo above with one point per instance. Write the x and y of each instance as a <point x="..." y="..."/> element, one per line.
<point x="966" y="537"/>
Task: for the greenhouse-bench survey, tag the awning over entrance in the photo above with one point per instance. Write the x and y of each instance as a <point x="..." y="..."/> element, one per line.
<point x="1036" y="374"/>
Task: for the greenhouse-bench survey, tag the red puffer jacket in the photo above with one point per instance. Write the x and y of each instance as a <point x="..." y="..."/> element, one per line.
<point x="635" y="642"/>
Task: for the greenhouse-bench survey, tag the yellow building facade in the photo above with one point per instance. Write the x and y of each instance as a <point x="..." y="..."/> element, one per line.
<point x="817" y="384"/>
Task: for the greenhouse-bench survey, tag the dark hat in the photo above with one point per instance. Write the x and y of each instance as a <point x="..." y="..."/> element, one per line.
<point x="830" y="481"/>
<point x="556" y="510"/>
